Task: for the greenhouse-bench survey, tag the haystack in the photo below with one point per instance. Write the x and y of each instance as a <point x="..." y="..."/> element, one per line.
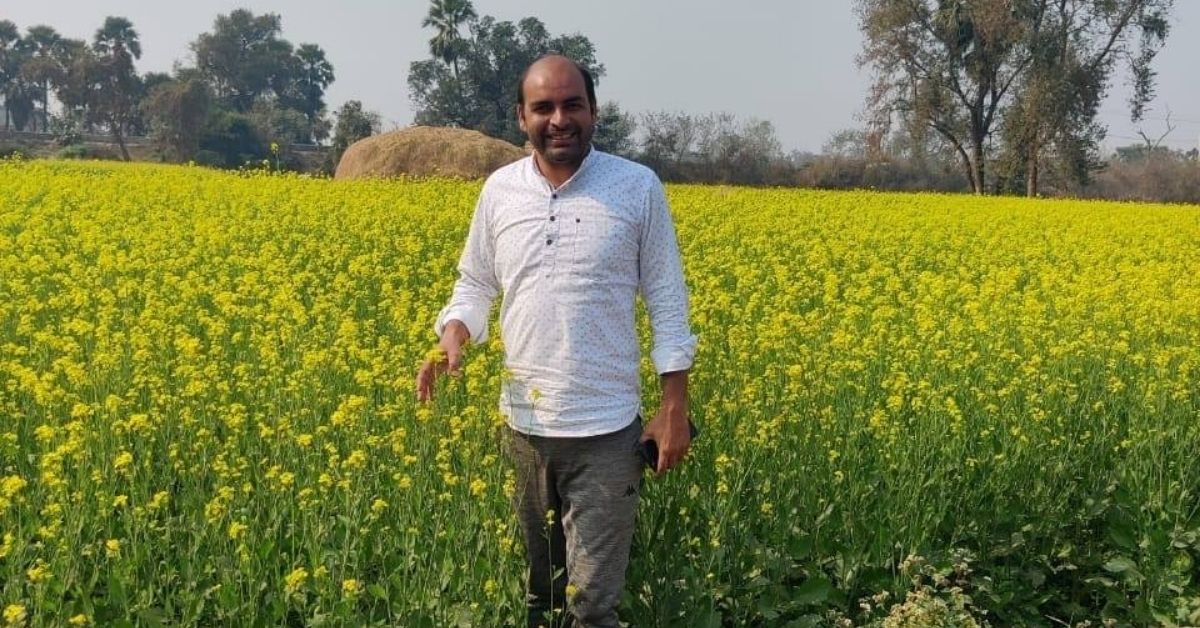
<point x="426" y="151"/>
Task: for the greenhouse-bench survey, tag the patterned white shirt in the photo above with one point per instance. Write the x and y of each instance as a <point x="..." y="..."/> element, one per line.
<point x="570" y="262"/>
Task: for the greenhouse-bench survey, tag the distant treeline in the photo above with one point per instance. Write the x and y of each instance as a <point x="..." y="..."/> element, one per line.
<point x="252" y="95"/>
<point x="1040" y="136"/>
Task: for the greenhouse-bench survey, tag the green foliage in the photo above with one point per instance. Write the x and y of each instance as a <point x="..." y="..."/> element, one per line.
<point x="118" y="88"/>
<point x="310" y="73"/>
<point x="248" y="65"/>
<point x="1034" y="70"/>
<point x="353" y="124"/>
<point x="178" y="112"/>
<point x="234" y="138"/>
<point x="1072" y="51"/>
<point x="242" y="57"/>
<point x="447" y="17"/>
<point x="615" y="131"/>
<point x="477" y="89"/>
<point x="73" y="151"/>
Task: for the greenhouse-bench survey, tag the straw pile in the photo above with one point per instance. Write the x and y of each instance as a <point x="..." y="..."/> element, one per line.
<point x="427" y="151"/>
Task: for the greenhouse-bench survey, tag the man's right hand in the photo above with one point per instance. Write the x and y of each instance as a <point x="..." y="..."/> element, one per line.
<point x="454" y="336"/>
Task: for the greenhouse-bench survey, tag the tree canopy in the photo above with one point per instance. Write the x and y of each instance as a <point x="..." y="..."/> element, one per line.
<point x="471" y="82"/>
<point x="1035" y="68"/>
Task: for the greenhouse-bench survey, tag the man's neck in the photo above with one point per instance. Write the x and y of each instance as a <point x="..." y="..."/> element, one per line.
<point x="558" y="174"/>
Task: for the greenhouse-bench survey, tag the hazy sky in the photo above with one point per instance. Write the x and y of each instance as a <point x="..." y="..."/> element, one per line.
<point x="789" y="61"/>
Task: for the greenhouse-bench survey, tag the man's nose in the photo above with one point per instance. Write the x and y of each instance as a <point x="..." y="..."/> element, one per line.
<point x="559" y="117"/>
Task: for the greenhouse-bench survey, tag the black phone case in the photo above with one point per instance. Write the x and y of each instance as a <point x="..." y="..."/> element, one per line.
<point x="648" y="450"/>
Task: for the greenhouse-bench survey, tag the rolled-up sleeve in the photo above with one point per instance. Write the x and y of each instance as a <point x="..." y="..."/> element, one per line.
<point x="477" y="286"/>
<point x="660" y="277"/>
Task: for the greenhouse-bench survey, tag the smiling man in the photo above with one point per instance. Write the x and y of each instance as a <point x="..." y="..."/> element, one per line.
<point x="570" y="236"/>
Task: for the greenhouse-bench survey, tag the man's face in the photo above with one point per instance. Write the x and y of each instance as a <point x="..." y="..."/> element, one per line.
<point x="557" y="116"/>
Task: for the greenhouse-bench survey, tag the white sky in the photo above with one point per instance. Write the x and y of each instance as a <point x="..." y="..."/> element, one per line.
<point x="789" y="61"/>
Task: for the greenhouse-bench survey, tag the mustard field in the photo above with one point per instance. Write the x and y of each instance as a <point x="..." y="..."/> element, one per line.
<point x="914" y="408"/>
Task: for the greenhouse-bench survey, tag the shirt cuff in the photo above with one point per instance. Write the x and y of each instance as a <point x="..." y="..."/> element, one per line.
<point x="671" y="358"/>
<point x="476" y="322"/>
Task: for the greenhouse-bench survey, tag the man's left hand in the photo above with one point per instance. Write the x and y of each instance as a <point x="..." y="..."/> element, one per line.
<point x="669" y="430"/>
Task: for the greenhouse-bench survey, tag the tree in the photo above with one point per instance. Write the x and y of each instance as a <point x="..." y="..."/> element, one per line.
<point x="1052" y="121"/>
<point x="117" y="39"/>
<point x="615" y="131"/>
<point x="448" y="18"/>
<point x="310" y="75"/>
<point x="231" y="140"/>
<point x="249" y="66"/>
<point x="850" y="143"/>
<point x="1037" y="69"/>
<point x="116" y="45"/>
<point x="483" y="94"/>
<point x="733" y="151"/>
<point x="10" y="38"/>
<point x="353" y="124"/>
<point x="177" y="112"/>
<point x="20" y="95"/>
<point x="669" y="142"/>
<point x="40" y="67"/>
<point x="946" y="64"/>
<point x="281" y="125"/>
<point x="76" y="86"/>
<point x="243" y="57"/>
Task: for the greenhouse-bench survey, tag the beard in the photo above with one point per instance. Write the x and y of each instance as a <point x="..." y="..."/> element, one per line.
<point x="566" y="147"/>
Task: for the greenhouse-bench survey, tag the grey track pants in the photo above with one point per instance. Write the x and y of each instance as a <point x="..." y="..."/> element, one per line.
<point x="591" y="484"/>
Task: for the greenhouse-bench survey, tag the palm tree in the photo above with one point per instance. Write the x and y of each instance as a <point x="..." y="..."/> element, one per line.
<point x="20" y="95"/>
<point x="9" y="37"/>
<point x="42" y="69"/>
<point x="447" y="16"/>
<point x="116" y="44"/>
<point x="117" y="39"/>
<point x="313" y="73"/>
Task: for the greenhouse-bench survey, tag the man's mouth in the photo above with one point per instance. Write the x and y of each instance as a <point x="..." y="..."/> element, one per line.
<point x="561" y="139"/>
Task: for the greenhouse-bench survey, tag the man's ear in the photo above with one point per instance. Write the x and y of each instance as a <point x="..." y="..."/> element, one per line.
<point x="521" y="118"/>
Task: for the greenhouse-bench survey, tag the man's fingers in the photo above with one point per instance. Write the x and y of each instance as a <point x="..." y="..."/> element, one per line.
<point x="424" y="385"/>
<point x="425" y="378"/>
<point x="454" y="362"/>
<point x="670" y="456"/>
<point x="667" y="462"/>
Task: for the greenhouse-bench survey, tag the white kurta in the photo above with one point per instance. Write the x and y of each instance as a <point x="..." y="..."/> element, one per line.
<point x="570" y="263"/>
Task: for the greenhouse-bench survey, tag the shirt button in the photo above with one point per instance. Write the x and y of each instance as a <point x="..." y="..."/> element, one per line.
<point x="553" y="196"/>
<point x="549" y="241"/>
<point x="552" y="219"/>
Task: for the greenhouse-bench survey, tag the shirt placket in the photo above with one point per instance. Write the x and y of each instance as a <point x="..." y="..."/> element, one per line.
<point x="552" y="231"/>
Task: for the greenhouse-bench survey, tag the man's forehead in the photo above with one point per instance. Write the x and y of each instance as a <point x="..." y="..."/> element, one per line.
<point x="561" y="77"/>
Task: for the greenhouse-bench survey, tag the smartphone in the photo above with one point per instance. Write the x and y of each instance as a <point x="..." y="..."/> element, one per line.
<point x="648" y="450"/>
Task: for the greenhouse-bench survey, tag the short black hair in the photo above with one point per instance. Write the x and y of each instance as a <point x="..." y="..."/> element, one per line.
<point x="589" y="83"/>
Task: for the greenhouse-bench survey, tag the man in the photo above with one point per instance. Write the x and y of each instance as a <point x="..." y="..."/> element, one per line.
<point x="570" y="235"/>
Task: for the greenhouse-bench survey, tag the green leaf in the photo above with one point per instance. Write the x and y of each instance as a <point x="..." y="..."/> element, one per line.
<point x="799" y="547"/>
<point x="116" y="590"/>
<point x="1119" y="564"/>
<point x="815" y="590"/>
<point x="151" y="616"/>
<point x="1120" y="531"/>
<point x="708" y="618"/>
